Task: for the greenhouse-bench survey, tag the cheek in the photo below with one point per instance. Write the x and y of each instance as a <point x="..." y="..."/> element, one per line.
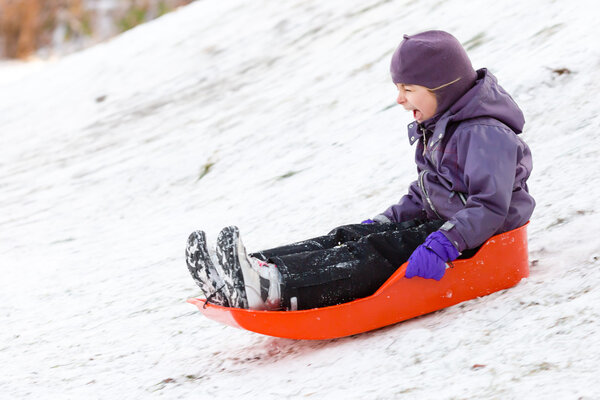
<point x="432" y="103"/>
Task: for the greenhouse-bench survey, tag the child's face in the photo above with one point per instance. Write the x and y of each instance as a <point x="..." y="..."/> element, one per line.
<point x="418" y="99"/>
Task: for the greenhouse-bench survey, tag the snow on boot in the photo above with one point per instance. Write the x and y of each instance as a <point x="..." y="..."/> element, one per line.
<point x="249" y="282"/>
<point x="202" y="268"/>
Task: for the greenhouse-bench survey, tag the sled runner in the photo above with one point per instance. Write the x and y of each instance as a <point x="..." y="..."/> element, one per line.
<point x="499" y="264"/>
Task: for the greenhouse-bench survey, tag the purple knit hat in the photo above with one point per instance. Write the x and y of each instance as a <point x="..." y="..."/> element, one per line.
<point x="436" y="60"/>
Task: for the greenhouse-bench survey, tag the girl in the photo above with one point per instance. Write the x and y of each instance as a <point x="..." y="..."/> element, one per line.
<point x="472" y="173"/>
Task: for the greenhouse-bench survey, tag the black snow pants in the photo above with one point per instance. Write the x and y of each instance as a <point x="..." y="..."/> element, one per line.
<point x="350" y="262"/>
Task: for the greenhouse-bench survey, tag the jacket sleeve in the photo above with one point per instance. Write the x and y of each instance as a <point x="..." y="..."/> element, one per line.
<point x="488" y="156"/>
<point x="409" y="207"/>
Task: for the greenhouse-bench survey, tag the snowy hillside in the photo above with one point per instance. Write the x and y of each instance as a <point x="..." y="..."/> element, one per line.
<point x="278" y="117"/>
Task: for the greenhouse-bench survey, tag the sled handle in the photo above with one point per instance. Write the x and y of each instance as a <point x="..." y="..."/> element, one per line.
<point x="402" y="270"/>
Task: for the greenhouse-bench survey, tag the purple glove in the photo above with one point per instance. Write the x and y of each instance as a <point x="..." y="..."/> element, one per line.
<point x="368" y="221"/>
<point x="429" y="259"/>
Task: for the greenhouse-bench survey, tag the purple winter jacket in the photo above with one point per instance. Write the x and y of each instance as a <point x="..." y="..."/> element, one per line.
<point x="472" y="167"/>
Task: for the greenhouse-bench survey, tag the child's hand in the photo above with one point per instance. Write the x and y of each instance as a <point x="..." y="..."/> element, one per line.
<point x="429" y="259"/>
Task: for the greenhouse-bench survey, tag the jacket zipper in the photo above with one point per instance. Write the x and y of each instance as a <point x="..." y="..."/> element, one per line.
<point x="425" y="194"/>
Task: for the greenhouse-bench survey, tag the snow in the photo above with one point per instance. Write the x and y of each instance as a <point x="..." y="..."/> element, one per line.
<point x="277" y="117"/>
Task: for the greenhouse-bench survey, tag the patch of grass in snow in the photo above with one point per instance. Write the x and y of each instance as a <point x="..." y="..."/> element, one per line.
<point x="561" y="71"/>
<point x="543" y="366"/>
<point x="205" y="169"/>
<point x="474" y="42"/>
<point x="287" y="175"/>
<point x="366" y="9"/>
<point x="548" y="31"/>
<point x="162" y="384"/>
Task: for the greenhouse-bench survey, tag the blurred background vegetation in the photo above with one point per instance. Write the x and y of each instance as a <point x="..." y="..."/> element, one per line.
<point x="46" y="27"/>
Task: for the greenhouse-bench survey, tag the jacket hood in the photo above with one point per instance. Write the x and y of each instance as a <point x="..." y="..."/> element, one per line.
<point x="487" y="99"/>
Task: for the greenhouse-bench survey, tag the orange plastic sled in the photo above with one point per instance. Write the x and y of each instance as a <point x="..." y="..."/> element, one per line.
<point x="500" y="264"/>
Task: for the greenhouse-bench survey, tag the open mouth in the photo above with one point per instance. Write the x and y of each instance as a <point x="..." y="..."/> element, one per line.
<point x="417" y="115"/>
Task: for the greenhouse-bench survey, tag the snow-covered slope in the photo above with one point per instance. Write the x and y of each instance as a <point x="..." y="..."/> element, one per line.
<point x="278" y="117"/>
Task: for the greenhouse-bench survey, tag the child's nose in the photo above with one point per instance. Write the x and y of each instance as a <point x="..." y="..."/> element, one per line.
<point x="401" y="98"/>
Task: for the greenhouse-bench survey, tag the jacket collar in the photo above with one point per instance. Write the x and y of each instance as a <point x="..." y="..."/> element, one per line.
<point x="437" y="124"/>
<point x="414" y="132"/>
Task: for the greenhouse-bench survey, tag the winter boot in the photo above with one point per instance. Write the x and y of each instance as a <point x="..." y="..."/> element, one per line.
<point x="249" y="282"/>
<point x="201" y="266"/>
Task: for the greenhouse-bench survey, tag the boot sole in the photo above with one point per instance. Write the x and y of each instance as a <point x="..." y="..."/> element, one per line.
<point x="228" y="255"/>
<point x="202" y="269"/>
